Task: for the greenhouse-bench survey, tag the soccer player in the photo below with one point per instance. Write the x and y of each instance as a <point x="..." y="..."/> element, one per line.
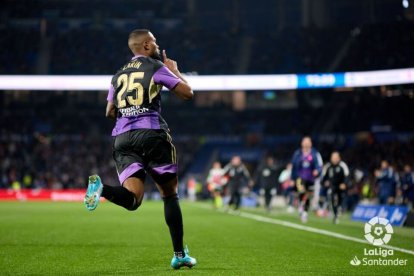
<point x="215" y="181"/>
<point x="142" y="144"/>
<point x="238" y="178"/>
<point x="387" y="183"/>
<point x="334" y="178"/>
<point x="306" y="168"/>
<point x="267" y="180"/>
<point x="407" y="185"/>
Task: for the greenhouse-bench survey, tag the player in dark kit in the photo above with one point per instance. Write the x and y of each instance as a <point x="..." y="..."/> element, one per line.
<point x="238" y="178"/>
<point x="267" y="180"/>
<point x="141" y="141"/>
<point x="334" y="178"/>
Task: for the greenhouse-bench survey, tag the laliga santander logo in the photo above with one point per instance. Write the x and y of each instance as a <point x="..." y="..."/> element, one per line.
<point x="378" y="231"/>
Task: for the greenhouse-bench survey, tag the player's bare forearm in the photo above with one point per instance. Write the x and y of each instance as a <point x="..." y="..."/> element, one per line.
<point x="111" y="111"/>
<point x="183" y="91"/>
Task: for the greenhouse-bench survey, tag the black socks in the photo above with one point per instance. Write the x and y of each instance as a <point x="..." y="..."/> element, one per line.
<point x="172" y="212"/>
<point x="174" y="220"/>
<point x="120" y="196"/>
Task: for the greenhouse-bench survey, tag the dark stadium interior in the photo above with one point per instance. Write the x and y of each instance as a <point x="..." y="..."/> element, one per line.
<point x="240" y="36"/>
<point x="44" y="133"/>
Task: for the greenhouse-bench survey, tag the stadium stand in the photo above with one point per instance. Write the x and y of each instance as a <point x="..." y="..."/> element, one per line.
<point x="45" y="133"/>
<point x="59" y="36"/>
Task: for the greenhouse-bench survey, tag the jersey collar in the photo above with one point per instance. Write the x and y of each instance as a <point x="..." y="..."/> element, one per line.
<point x="137" y="56"/>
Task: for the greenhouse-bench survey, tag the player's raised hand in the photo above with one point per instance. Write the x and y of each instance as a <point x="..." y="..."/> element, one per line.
<point x="183" y="90"/>
<point x="171" y="64"/>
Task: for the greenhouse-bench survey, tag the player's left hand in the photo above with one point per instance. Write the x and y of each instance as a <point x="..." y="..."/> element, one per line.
<point x="342" y="186"/>
<point x="315" y="173"/>
<point x="171" y="64"/>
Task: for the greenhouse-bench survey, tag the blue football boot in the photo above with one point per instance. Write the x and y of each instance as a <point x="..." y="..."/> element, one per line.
<point x="93" y="193"/>
<point x="187" y="261"/>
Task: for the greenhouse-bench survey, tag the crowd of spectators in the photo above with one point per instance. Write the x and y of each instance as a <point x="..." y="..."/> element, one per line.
<point x="55" y="140"/>
<point x="65" y="161"/>
<point x="39" y="161"/>
<point x="50" y="139"/>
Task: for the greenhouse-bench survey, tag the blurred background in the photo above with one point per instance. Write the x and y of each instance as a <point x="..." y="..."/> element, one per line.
<point x="55" y="139"/>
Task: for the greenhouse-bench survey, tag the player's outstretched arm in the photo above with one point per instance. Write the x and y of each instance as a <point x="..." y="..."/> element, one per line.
<point x="182" y="89"/>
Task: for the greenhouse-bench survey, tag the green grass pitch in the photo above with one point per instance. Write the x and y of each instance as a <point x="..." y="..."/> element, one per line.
<point x="44" y="238"/>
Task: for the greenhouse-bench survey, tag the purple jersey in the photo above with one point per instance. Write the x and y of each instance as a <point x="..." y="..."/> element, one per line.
<point x="303" y="165"/>
<point x="306" y="168"/>
<point x="135" y="91"/>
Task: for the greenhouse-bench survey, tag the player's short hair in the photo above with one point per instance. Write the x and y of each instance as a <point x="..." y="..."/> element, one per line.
<point x="138" y="32"/>
<point x="135" y="36"/>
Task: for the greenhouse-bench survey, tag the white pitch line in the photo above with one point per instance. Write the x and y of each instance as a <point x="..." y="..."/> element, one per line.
<point x="317" y="230"/>
<point x="311" y="229"/>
